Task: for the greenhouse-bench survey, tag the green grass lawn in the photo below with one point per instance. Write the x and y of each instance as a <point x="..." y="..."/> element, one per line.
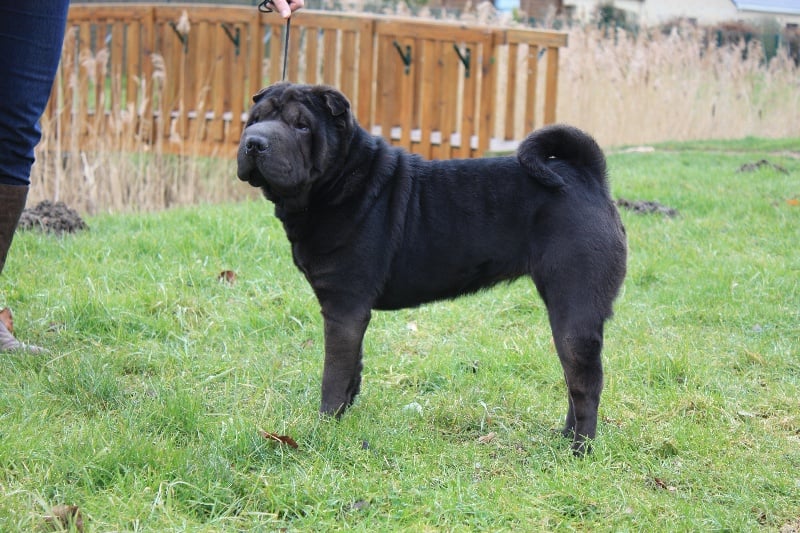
<point x="146" y="412"/>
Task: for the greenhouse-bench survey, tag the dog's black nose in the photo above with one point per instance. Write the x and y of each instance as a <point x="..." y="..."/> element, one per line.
<point x="255" y="143"/>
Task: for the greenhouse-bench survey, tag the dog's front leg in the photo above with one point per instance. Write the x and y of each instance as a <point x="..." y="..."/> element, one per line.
<point x="341" y="376"/>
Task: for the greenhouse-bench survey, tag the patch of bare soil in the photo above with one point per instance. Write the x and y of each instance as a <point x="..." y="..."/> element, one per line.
<point x="752" y="167"/>
<point x="791" y="527"/>
<point x="644" y="207"/>
<point x="52" y="218"/>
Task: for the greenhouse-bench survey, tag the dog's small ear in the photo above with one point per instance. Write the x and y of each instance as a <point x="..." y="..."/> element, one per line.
<point x="259" y="95"/>
<point x="337" y="102"/>
<point x="274" y="89"/>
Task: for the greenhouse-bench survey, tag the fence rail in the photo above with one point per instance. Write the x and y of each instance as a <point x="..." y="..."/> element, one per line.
<point x="184" y="75"/>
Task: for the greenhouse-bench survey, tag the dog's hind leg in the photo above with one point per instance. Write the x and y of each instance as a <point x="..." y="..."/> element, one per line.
<point x="576" y="321"/>
<point x="579" y="344"/>
<point x="578" y="272"/>
<point x="341" y="376"/>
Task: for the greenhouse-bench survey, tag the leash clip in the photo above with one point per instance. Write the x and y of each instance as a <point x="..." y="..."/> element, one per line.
<point x="266" y="6"/>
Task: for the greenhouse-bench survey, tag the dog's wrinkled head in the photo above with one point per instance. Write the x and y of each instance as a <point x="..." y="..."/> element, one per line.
<point x="295" y="135"/>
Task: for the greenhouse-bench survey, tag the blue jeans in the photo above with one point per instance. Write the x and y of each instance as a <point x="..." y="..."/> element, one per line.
<point x="31" y="37"/>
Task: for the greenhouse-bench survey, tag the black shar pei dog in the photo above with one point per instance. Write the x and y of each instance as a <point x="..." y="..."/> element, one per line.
<point x="374" y="227"/>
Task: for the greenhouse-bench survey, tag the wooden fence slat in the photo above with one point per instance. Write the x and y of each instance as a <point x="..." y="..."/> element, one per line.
<point x="255" y="63"/>
<point x="511" y="89"/>
<point x="133" y="46"/>
<point x="236" y="77"/>
<point x="69" y="64"/>
<point x="551" y="86"/>
<point x="387" y="79"/>
<point x="188" y="73"/>
<point x="366" y="44"/>
<point x="276" y="53"/>
<point x="147" y="49"/>
<point x="404" y="116"/>
<point x="467" y="114"/>
<point x="312" y="54"/>
<point x="348" y="68"/>
<point x="488" y="73"/>
<point x="176" y="66"/>
<point x="530" y="94"/>
<point x="117" y="64"/>
<point x="201" y="44"/>
<point x="220" y="81"/>
<point x="427" y="98"/>
<point x="293" y="68"/>
<point x="447" y="102"/>
<point x="103" y="77"/>
<point x="85" y="99"/>
<point x="329" y="52"/>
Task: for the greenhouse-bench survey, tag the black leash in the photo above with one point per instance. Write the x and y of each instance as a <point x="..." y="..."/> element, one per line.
<point x="266" y="6"/>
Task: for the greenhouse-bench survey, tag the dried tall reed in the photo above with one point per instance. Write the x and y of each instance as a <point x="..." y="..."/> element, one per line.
<point x="630" y="89"/>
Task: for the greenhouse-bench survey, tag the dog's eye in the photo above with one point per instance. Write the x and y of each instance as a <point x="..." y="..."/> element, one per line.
<point x="302" y="127"/>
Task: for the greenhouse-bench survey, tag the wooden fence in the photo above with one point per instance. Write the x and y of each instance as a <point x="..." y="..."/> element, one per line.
<point x="184" y="75"/>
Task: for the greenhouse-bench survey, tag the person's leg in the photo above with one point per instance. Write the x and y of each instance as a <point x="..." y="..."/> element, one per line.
<point x="31" y="37"/>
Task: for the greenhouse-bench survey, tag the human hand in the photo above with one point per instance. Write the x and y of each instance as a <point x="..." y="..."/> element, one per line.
<point x="287" y="7"/>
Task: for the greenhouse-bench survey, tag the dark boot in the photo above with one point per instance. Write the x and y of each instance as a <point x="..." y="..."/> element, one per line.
<point x="12" y="202"/>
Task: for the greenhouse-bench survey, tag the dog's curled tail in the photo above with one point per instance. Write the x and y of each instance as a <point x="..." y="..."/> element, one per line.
<point x="564" y="143"/>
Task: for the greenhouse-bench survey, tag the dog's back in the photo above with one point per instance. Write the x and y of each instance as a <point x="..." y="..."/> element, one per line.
<point x="467" y="224"/>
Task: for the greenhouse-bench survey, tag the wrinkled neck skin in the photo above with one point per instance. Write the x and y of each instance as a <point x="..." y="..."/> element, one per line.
<point x="363" y="168"/>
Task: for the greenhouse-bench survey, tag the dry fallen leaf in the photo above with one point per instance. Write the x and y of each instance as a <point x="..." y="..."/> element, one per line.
<point x="661" y="484"/>
<point x="227" y="275"/>
<point x="63" y="517"/>
<point x="7" y="319"/>
<point x="280" y="439"/>
<point x="793" y="202"/>
<point x="486" y="439"/>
